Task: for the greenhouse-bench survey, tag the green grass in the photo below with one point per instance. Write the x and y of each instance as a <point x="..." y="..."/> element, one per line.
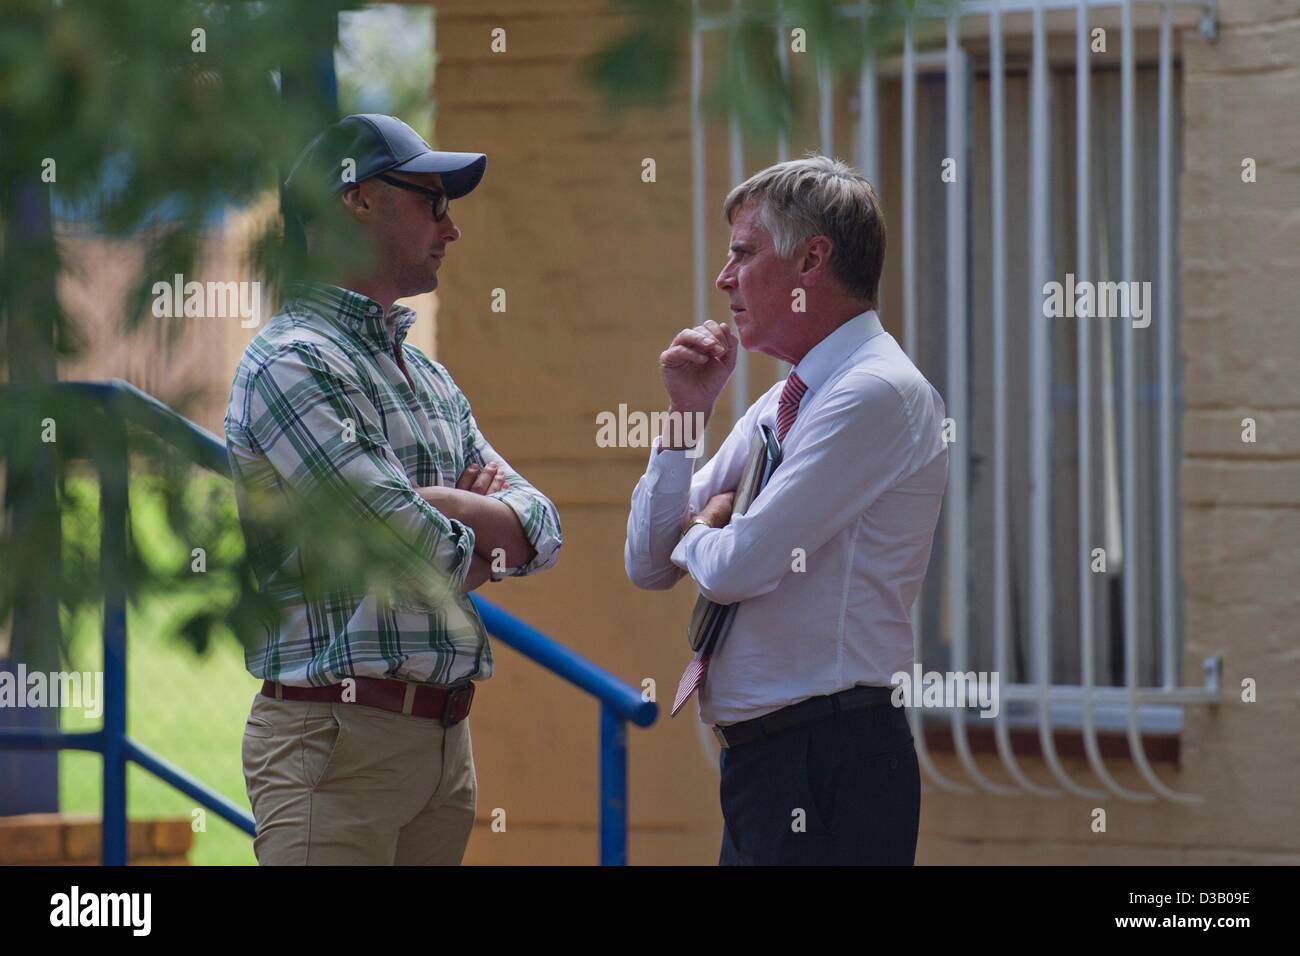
<point x="187" y="708"/>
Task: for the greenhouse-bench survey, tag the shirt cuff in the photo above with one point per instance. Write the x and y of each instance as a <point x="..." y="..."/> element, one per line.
<point x="681" y="553"/>
<point x="545" y="545"/>
<point x="431" y="588"/>
<point x="464" y="536"/>
<point x="670" y="470"/>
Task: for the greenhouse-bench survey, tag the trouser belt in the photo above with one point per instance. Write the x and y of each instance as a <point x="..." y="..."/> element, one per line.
<point x="806" y="711"/>
<point x="447" y="704"/>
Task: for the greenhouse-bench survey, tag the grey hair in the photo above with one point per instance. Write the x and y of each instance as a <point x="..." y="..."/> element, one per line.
<point x="820" y="196"/>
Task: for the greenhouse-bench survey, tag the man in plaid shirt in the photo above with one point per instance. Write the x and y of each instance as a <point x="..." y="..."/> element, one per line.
<point x="345" y="441"/>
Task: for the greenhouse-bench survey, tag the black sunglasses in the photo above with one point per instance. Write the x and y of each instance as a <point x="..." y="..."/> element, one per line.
<point x="437" y="198"/>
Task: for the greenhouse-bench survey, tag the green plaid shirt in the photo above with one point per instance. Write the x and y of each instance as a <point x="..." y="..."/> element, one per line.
<point x="320" y="404"/>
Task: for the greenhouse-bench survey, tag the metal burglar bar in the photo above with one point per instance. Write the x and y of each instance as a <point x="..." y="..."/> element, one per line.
<point x="1076" y="647"/>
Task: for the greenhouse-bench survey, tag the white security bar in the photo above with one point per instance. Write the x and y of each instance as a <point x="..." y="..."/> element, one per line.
<point x="736" y="175"/>
<point x="1040" y="410"/>
<point x="910" y="346"/>
<point x="1001" y="585"/>
<point x="1129" y="493"/>
<point x="1128" y="707"/>
<point x="699" y="232"/>
<point x="1083" y="333"/>
<point x="868" y="140"/>
<point x="909" y="189"/>
<point x="1165" y="332"/>
<point x="782" y="58"/>
<point x="958" y="69"/>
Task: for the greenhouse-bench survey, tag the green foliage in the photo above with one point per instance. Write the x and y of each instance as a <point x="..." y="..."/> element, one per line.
<point x="172" y="509"/>
<point x="169" y="512"/>
<point x="138" y="120"/>
<point x="151" y="123"/>
<point x="639" y="68"/>
<point x="644" y="65"/>
<point x="187" y="707"/>
<point x="385" y="64"/>
<point x="186" y="542"/>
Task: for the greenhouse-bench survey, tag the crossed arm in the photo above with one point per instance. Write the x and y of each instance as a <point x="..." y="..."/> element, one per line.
<point x="498" y="532"/>
<point x="316" y="427"/>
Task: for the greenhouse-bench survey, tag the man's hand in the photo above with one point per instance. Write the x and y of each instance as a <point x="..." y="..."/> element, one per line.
<point x="717" y="512"/>
<point x="696" y="366"/>
<point x="481" y="481"/>
<point x="497" y="531"/>
<point x="474" y="479"/>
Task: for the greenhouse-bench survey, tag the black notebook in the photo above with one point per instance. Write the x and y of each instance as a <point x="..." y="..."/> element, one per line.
<point x="710" y="621"/>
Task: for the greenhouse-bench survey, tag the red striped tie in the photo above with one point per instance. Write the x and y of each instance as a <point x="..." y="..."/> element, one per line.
<point x="786" y="410"/>
<point x="690" y="682"/>
<point x="788" y="407"/>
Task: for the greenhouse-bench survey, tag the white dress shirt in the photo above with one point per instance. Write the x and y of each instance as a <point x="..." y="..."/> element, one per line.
<point x="827" y="561"/>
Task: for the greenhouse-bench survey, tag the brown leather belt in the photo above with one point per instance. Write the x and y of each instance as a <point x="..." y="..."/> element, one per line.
<point x="447" y="704"/>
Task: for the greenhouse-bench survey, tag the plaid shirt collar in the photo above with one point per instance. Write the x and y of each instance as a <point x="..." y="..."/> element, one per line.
<point x="357" y="313"/>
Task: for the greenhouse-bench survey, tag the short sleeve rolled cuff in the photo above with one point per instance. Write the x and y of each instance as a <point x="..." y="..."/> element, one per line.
<point x="541" y="528"/>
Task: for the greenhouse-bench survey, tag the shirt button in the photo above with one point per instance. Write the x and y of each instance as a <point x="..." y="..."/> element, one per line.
<point x="373" y="309"/>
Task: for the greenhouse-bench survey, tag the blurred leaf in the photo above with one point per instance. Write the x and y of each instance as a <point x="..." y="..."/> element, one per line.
<point x="644" y="64"/>
<point x="145" y="135"/>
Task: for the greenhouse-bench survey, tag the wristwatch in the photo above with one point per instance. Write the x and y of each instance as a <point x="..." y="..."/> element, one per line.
<point x="692" y="523"/>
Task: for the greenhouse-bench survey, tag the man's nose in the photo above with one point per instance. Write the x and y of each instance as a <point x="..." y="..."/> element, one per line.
<point x="448" y="231"/>
<point x="725" y="280"/>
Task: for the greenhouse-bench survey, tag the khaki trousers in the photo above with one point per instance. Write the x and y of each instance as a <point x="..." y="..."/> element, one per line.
<point x="345" y="784"/>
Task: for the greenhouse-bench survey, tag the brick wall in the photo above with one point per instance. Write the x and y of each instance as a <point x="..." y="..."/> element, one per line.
<point x="52" y="839"/>
<point x="596" y="268"/>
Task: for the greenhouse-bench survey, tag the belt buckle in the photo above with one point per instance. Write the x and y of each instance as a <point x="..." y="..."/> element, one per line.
<point x="452" y="701"/>
<point x="722" y="737"/>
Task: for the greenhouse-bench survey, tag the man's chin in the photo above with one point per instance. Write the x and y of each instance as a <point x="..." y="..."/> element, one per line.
<point x="426" y="283"/>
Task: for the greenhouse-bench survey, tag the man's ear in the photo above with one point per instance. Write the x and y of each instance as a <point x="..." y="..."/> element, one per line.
<point x="355" y="200"/>
<point x="816" y="260"/>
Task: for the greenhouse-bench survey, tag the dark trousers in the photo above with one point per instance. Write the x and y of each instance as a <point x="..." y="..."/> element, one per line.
<point x="845" y="789"/>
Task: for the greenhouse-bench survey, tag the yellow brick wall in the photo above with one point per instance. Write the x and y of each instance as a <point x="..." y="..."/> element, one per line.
<point x="596" y="268"/>
<point x="56" y="839"/>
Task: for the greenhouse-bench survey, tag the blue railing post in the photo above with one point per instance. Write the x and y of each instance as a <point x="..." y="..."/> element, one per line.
<point x="613" y="788"/>
<point x="113" y="485"/>
<point x="619" y="704"/>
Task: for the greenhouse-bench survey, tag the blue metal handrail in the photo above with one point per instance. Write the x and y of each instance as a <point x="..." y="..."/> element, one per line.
<point x="124" y="403"/>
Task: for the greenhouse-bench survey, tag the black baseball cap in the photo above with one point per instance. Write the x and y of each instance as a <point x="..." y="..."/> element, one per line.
<point x="376" y="143"/>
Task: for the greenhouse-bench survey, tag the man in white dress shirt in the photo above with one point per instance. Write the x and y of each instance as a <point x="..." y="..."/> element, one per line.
<point x="817" y="765"/>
